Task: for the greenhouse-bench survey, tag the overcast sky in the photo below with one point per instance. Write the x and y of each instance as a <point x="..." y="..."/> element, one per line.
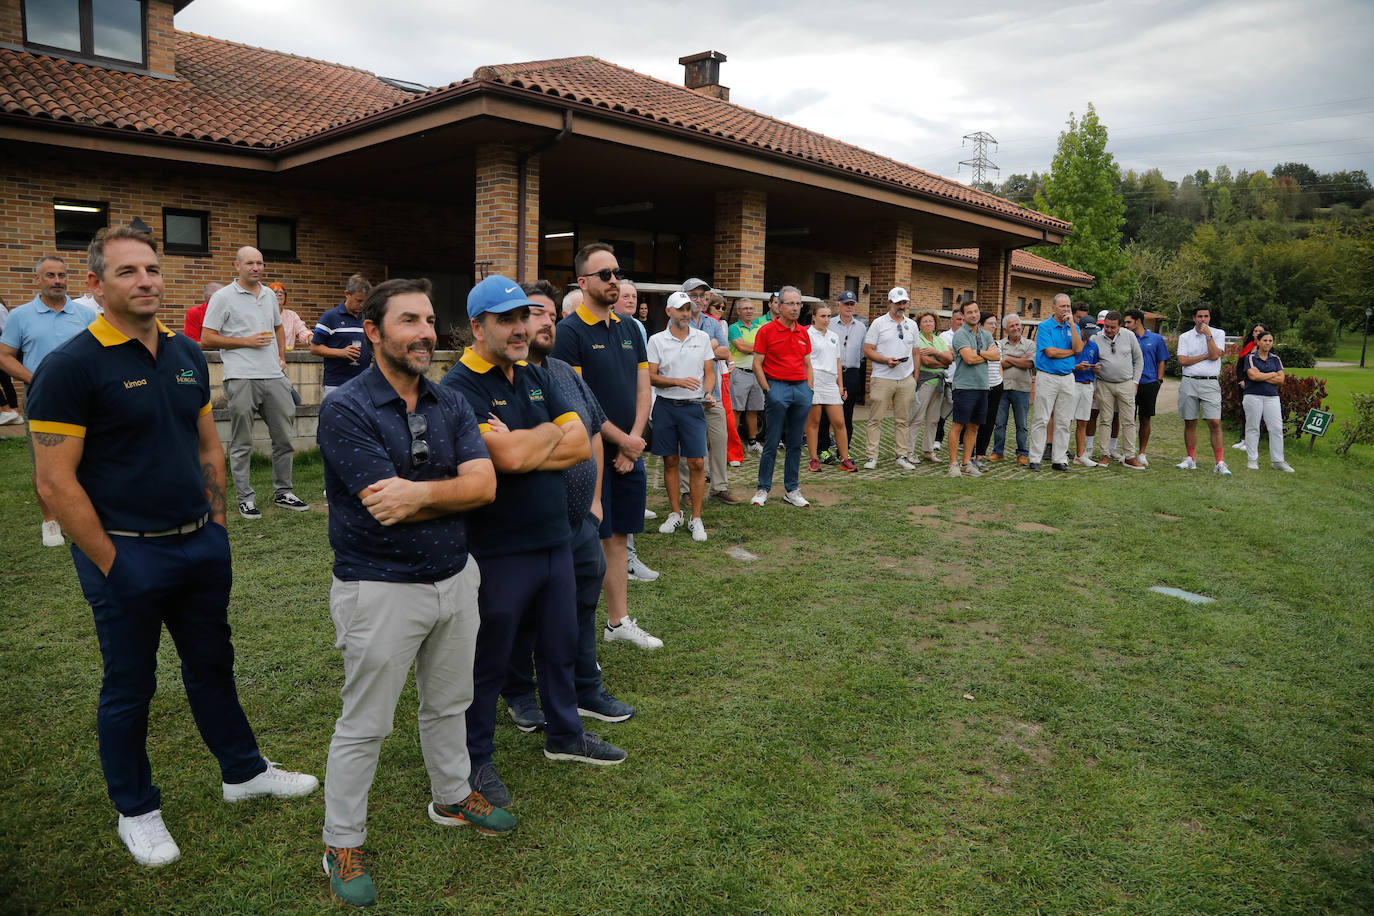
<point x="1180" y="84"/>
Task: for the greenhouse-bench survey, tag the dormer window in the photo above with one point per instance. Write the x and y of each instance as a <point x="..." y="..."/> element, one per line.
<point x="101" y="30"/>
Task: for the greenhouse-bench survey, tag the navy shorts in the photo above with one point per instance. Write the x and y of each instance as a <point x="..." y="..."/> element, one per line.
<point x="622" y="497"/>
<point x="970" y="406"/>
<point x="679" y="428"/>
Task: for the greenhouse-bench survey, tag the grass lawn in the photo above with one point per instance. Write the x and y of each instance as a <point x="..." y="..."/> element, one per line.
<point x="925" y="695"/>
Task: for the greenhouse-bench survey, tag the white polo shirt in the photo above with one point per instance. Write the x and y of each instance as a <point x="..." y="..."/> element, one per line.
<point x="1191" y="343"/>
<point x="825" y="350"/>
<point x="681" y="359"/>
<point x="892" y="340"/>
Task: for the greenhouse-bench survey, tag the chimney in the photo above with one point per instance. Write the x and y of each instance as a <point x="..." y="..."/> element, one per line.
<point x="702" y="74"/>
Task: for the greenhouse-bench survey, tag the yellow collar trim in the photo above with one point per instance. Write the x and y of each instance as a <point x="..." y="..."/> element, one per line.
<point x="588" y="318"/>
<point x="109" y="336"/>
<point x="478" y="364"/>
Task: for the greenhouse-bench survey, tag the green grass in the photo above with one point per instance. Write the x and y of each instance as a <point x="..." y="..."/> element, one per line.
<point x="1348" y="350"/>
<point x="805" y="742"/>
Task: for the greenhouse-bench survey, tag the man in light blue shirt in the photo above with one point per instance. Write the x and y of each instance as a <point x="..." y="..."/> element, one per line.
<point x="1057" y="342"/>
<point x="34" y="330"/>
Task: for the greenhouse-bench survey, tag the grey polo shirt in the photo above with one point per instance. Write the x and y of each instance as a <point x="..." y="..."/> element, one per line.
<point x="235" y="312"/>
<point x="1017" y="379"/>
<point x="1122" y="362"/>
<point x="851" y="340"/>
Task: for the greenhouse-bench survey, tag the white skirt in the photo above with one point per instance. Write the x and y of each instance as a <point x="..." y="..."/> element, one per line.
<point x="826" y="390"/>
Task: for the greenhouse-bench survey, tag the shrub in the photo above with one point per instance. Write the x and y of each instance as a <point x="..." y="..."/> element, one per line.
<point x="1362" y="430"/>
<point x="1295" y="354"/>
<point x="1296" y="397"/>
<point x="1316" y="328"/>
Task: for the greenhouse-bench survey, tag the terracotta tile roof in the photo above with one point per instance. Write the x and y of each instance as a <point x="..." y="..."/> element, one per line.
<point x="227" y="93"/>
<point x="1022" y="262"/>
<point x="606" y="85"/>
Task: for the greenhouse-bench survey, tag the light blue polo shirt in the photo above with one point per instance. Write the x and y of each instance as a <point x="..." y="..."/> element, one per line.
<point x="36" y="330"/>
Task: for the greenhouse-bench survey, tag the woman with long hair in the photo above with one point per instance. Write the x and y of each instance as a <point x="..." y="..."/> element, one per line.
<point x="829" y="391"/>
<point x="1251" y="340"/>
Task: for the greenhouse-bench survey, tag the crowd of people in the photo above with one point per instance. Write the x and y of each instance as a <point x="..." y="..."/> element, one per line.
<point x="476" y="522"/>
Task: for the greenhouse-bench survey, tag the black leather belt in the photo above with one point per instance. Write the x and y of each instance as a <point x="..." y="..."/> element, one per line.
<point x="1203" y="378"/>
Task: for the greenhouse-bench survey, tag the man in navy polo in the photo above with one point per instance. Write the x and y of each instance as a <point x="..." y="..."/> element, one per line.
<point x="611" y="358"/>
<point x="127" y="454"/>
<point x="339" y="340"/>
<point x="1057" y="342"/>
<point x="522" y="541"/>
<point x="34" y="330"/>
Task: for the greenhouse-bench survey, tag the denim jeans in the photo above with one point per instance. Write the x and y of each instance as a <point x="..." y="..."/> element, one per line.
<point x="1018" y="402"/>
<point x="786" y="406"/>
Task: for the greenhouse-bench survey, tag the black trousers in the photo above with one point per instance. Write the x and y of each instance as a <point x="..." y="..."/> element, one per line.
<point x="853" y="380"/>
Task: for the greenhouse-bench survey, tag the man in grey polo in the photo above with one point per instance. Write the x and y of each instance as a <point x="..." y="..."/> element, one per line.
<point x="1119" y="364"/>
<point x="243" y="321"/>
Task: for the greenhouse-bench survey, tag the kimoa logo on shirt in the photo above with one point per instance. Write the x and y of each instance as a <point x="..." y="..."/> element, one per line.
<point x="597" y="346"/>
<point x="136" y="383"/>
<point x="497" y="402"/>
<point x="186" y="377"/>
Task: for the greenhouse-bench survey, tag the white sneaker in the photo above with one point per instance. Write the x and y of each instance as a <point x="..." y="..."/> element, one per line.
<point x="756" y="447"/>
<point x="795" y="498"/>
<point x="1222" y="469"/>
<point x="629" y="631"/>
<point x="52" y="534"/>
<point x="1239" y="446"/>
<point x="8" y="416"/>
<point x="1084" y="461"/>
<point x="271" y="781"/>
<point x="1283" y="466"/>
<point x="673" y="523"/>
<point x="1187" y="464"/>
<point x="970" y="470"/>
<point x="954" y="471"/>
<point x="871" y="464"/>
<point x="936" y="446"/>
<point x="636" y="569"/>
<point x="904" y="463"/>
<point x="734" y="464"/>
<point x="1252" y="465"/>
<point x="148" y="840"/>
<point x="697" y="529"/>
<point x="650" y="514"/>
<point x="1142" y="459"/>
<point x="760" y="497"/>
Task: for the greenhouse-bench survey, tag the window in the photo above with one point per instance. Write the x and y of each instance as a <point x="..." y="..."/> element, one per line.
<point x="185" y="231"/>
<point x="968" y="296"/>
<point x="102" y="29"/>
<point x="75" y="222"/>
<point x="1035" y="304"/>
<point x="1020" y="304"/>
<point x="820" y="286"/>
<point x="947" y="299"/>
<point x="277" y="237"/>
<point x="851" y="285"/>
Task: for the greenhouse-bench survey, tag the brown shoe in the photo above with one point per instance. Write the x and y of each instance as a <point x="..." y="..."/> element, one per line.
<point x="1022" y="460"/>
<point x="725" y="496"/>
<point x="994" y="457"/>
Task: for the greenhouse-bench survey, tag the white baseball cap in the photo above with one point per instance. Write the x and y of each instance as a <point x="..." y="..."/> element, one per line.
<point x="897" y="294"/>
<point x="679" y="301"/>
<point x="1102" y="316"/>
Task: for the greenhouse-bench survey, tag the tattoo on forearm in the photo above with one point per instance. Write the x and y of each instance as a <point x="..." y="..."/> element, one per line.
<point x="49" y="439"/>
<point x="214" y="490"/>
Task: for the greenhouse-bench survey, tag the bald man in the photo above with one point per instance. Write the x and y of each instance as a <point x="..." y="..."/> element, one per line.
<point x="244" y="321"/>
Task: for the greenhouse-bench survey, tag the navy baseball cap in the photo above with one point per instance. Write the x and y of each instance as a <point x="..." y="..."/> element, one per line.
<point x="496" y="294"/>
<point x="847" y="296"/>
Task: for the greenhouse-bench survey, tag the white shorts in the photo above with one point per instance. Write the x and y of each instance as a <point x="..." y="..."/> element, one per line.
<point x="1083" y="400"/>
<point x="827" y="391"/>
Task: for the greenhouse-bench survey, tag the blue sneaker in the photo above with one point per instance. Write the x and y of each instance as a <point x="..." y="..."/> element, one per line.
<point x="605" y="707"/>
<point x="525" y="712"/>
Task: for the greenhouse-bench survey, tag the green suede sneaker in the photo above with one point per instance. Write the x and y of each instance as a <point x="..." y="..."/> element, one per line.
<point x="475" y="810"/>
<point x="349" y="882"/>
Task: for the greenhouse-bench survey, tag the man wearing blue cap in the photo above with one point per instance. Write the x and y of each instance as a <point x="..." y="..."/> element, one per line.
<point x="522" y="541"/>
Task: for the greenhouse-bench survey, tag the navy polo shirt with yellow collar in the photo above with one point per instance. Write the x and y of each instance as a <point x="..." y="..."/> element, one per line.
<point x="608" y="355"/>
<point x="139" y="415"/>
<point x="364" y="436"/>
<point x="530" y="511"/>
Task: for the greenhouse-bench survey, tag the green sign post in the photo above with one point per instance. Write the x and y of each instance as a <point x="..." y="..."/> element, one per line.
<point x="1315" y="423"/>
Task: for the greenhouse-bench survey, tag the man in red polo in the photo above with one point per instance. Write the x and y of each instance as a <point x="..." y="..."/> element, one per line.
<point x="783" y="370"/>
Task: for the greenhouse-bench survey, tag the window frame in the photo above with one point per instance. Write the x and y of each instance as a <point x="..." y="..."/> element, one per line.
<point x="279" y="254"/>
<point x="85" y="12"/>
<point x="178" y="247"/>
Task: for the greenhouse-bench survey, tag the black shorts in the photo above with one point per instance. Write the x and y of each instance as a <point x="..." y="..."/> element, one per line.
<point x="1145" y="395"/>
<point x="970" y="406"/>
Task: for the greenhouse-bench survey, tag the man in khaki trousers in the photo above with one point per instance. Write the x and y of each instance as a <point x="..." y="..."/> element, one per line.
<point x="1120" y="363"/>
<point x="890" y="344"/>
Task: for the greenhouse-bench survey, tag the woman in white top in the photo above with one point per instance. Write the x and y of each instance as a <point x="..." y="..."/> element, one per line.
<point x="829" y="393"/>
<point x="980" y="448"/>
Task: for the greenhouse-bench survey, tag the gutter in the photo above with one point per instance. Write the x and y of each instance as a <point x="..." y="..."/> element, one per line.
<point x="522" y="196"/>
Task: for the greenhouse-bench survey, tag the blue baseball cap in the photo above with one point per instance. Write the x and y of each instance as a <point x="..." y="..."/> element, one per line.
<point x="847" y="296"/>
<point x="496" y="294"/>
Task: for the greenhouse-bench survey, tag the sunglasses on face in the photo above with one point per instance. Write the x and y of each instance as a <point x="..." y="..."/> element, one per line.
<point x="607" y="274"/>
<point x="419" y="448"/>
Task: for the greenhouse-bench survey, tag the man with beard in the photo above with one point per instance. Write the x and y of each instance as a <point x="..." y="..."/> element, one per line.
<point x="611" y="358"/>
<point x="402" y="458"/>
<point x="522" y="541"/>
<point x="583" y="484"/>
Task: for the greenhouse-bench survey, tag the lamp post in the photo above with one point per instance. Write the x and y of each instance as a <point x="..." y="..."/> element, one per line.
<point x="1368" y="310"/>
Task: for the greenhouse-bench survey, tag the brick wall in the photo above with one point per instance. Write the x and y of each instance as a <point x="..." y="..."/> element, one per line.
<point x="496" y="222"/>
<point x="12" y="22"/>
<point x="162" y="56"/>
<point x="799" y="266"/>
<point x="740" y="247"/>
<point x="337" y="234"/>
<point x="890" y="261"/>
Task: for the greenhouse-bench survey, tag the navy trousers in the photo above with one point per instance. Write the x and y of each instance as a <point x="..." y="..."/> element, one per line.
<point x="530" y="592"/>
<point x="786" y="405"/>
<point x="182" y="581"/>
<point x="589" y="569"/>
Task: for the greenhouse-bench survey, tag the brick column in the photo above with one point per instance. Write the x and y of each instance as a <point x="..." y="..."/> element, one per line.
<point x="741" y="221"/>
<point x="497" y="223"/>
<point x="890" y="262"/>
<point x="993" y="276"/>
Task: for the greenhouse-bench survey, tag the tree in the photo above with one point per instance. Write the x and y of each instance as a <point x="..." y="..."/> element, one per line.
<point x="1081" y="188"/>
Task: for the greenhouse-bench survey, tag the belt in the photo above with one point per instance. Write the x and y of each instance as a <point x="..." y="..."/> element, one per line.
<point x="1205" y="378"/>
<point x="748" y="369"/>
<point x="187" y="528"/>
<point x="1077" y="382"/>
<point x="682" y="402"/>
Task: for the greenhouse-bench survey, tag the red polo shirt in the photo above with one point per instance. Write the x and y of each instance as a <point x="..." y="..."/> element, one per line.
<point x="784" y="351"/>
